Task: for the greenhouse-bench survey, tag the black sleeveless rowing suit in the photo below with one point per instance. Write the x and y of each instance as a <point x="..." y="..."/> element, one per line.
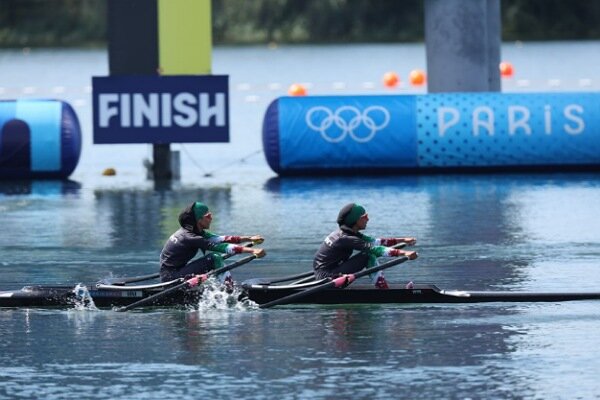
<point x="334" y="256"/>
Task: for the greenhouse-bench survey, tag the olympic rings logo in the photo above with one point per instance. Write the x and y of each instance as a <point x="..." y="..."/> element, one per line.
<point x="347" y="120"/>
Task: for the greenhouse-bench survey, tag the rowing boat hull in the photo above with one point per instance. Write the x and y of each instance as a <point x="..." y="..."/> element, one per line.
<point x="66" y="296"/>
<point x="69" y="296"/>
<point x="420" y="294"/>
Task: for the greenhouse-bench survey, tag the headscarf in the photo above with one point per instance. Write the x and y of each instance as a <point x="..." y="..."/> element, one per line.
<point x="189" y="216"/>
<point x="200" y="210"/>
<point x="350" y="214"/>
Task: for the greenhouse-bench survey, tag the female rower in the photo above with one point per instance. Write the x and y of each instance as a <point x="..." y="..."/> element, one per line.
<point x="193" y="235"/>
<point x="334" y="257"/>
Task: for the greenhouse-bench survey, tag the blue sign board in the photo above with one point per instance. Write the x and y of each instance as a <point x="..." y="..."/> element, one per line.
<point x="161" y="109"/>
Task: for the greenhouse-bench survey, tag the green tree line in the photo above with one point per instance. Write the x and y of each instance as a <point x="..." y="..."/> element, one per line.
<point x="59" y="23"/>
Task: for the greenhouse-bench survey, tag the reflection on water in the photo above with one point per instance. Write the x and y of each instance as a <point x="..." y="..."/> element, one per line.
<point x="323" y="352"/>
<point x="473" y="231"/>
<point x="143" y="218"/>
<point x="111" y="219"/>
<point x="60" y="235"/>
<point x="39" y="187"/>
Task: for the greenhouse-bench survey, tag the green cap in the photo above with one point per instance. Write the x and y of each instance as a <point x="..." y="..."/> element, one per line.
<point x="200" y="210"/>
<point x="350" y="214"/>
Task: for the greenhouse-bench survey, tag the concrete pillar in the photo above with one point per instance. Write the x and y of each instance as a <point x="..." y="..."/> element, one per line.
<point x="463" y="39"/>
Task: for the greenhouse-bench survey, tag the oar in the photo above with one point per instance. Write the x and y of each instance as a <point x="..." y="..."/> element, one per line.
<point x="340" y="282"/>
<point x="124" y="280"/>
<point x="271" y="281"/>
<point x="193" y="281"/>
<point x="304" y="276"/>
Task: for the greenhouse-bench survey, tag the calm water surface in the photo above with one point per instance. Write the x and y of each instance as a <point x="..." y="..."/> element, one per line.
<point x="503" y="231"/>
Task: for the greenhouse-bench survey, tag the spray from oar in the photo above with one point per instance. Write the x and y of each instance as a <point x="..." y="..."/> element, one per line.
<point x="186" y="284"/>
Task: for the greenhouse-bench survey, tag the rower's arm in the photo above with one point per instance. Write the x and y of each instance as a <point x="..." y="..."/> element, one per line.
<point x="388" y="242"/>
<point x="394" y="241"/>
<point x="231" y="249"/>
<point x="214" y="238"/>
<point x="367" y="244"/>
<point x="383" y="251"/>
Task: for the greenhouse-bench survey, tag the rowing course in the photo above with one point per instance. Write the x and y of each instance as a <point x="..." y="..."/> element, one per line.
<point x="384" y="345"/>
<point x="516" y="233"/>
<point x="432" y="132"/>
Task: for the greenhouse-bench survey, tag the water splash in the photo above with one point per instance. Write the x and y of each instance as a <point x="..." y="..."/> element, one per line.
<point x="83" y="301"/>
<point x="216" y="296"/>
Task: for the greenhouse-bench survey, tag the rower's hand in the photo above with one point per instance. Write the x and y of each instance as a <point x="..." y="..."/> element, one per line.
<point x="410" y="241"/>
<point x="411" y="254"/>
<point x="257" y="239"/>
<point x="259" y="253"/>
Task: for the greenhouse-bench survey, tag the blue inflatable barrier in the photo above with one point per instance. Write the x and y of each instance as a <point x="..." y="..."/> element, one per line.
<point x="449" y="131"/>
<point x="38" y="139"/>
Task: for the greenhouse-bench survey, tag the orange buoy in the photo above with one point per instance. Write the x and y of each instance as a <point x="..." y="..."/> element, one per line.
<point x="297" y="89"/>
<point x="506" y="69"/>
<point x="390" y="79"/>
<point x="417" y="77"/>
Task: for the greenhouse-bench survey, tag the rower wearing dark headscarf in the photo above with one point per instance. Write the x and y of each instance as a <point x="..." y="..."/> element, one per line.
<point x="334" y="256"/>
<point x="183" y="245"/>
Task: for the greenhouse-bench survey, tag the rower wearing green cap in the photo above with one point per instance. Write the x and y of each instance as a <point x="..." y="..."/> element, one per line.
<point x="193" y="235"/>
<point x="335" y="255"/>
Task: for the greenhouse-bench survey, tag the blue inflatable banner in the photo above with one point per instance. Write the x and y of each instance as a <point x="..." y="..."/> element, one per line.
<point x="433" y="131"/>
<point x="161" y="109"/>
<point x="38" y="139"/>
<point x="359" y="126"/>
